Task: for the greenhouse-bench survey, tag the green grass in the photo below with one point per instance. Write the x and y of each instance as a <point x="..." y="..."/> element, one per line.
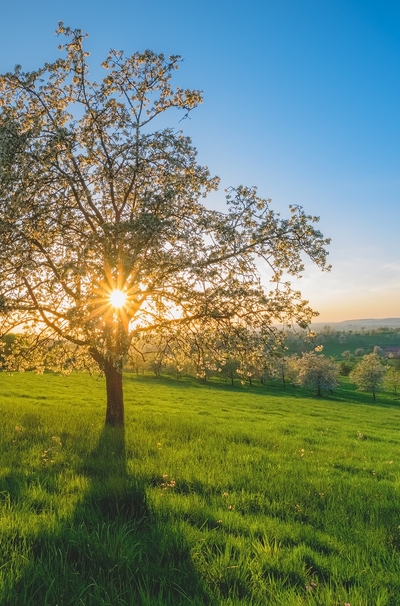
<point x="215" y="495"/>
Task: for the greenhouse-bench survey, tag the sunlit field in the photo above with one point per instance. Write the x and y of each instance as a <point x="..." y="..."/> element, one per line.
<point x="218" y="495"/>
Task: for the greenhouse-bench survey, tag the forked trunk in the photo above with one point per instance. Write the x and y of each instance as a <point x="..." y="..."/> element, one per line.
<point x="115" y="400"/>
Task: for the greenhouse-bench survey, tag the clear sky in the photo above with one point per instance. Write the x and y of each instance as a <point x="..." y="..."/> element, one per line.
<point x="301" y="98"/>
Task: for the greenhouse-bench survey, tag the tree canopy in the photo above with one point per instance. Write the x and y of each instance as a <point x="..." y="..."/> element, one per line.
<point x="96" y="195"/>
<point x="317" y="372"/>
<point x="369" y="374"/>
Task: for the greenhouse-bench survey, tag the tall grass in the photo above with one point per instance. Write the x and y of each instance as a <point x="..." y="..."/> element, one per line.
<point x="214" y="495"/>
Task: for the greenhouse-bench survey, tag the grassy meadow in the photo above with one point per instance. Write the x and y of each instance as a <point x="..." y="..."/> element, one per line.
<point x="214" y="495"/>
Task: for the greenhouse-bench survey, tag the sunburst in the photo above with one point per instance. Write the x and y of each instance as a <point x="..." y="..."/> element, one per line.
<point x="117" y="298"/>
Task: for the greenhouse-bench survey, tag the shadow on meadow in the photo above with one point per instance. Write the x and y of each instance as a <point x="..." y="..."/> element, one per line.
<point x="114" y="550"/>
<point x="216" y="385"/>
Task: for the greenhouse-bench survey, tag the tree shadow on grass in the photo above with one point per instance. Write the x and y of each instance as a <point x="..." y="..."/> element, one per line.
<point x="114" y="550"/>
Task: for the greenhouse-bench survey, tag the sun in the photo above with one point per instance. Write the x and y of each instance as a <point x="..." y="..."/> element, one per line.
<point x="117" y="298"/>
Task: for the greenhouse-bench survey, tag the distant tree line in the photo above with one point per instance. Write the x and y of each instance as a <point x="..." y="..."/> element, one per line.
<point x="235" y="356"/>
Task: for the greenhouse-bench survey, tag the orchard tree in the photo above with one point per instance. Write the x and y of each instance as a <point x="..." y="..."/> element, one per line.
<point x="369" y="374"/>
<point x="244" y="353"/>
<point x="317" y="372"/>
<point x="392" y="379"/>
<point x="249" y="348"/>
<point x="229" y="368"/>
<point x="283" y="368"/>
<point x="105" y="240"/>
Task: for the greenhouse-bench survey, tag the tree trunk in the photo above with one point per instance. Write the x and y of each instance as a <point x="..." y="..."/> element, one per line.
<point x="115" y="400"/>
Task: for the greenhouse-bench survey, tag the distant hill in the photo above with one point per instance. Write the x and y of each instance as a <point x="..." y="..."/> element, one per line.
<point x="357" y="324"/>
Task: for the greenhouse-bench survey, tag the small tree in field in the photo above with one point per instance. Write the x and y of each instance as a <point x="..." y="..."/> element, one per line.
<point x="105" y="241"/>
<point x="369" y="374"/>
<point x="345" y="368"/>
<point x="392" y="379"/>
<point x="316" y="372"/>
<point x="283" y="368"/>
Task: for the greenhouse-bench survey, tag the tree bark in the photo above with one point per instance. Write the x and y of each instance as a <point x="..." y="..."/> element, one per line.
<point x="115" y="400"/>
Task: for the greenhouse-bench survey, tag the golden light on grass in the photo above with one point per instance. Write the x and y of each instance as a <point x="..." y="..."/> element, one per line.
<point x="117" y="298"/>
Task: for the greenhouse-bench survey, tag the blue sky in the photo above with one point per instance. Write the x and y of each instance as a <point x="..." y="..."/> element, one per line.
<point x="301" y="98"/>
